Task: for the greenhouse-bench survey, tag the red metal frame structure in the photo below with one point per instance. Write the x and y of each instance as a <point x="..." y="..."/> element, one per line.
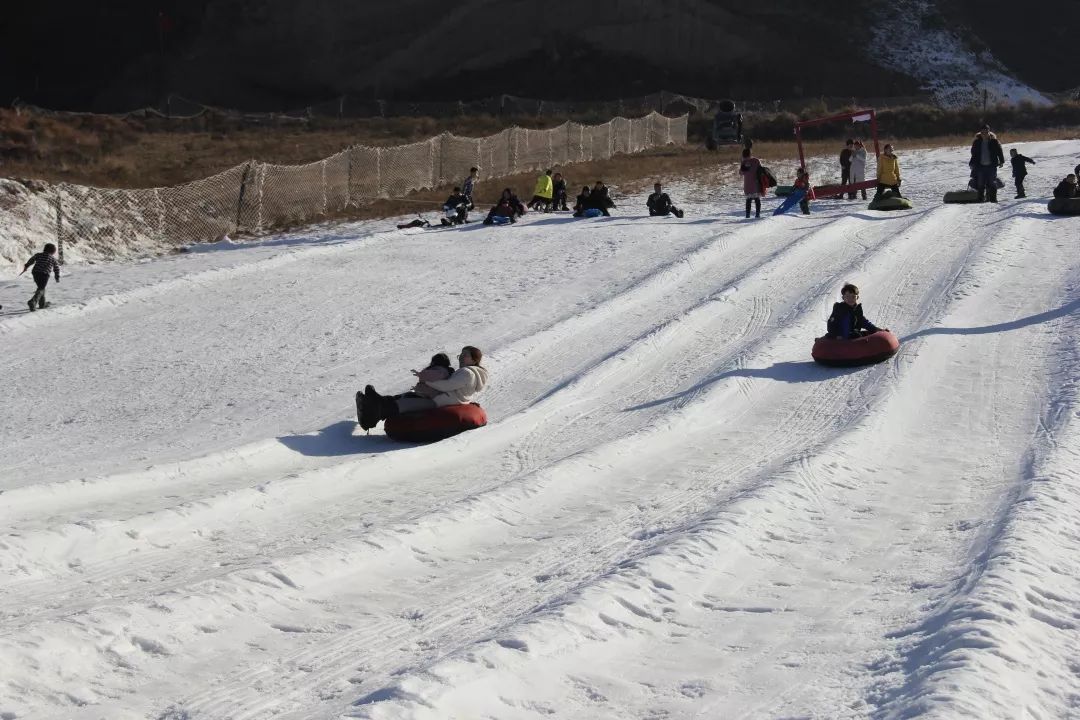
<point x="856" y="115"/>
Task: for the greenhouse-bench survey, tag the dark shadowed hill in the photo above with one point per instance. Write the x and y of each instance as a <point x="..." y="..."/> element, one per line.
<point x="278" y="54"/>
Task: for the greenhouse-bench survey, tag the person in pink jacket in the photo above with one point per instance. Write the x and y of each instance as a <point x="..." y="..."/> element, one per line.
<point x="750" y="169"/>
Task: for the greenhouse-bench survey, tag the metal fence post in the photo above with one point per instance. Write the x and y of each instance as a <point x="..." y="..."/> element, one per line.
<point x="59" y="226"/>
<point x="240" y="200"/>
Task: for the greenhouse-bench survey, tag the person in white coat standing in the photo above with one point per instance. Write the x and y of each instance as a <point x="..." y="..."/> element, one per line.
<point x="858" y="167"/>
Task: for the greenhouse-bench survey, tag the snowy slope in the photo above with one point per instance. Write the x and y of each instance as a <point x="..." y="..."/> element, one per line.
<point x="673" y="513"/>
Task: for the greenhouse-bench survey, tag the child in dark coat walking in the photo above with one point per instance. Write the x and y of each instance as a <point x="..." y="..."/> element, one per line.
<point x="847" y="320"/>
<point x="1019" y="168"/>
<point x="44" y="262"/>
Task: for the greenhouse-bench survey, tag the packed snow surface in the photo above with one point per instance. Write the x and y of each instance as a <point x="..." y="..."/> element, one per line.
<point x="673" y="513"/>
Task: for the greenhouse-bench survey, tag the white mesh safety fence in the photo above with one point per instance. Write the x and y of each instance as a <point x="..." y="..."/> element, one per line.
<point x="257" y="197"/>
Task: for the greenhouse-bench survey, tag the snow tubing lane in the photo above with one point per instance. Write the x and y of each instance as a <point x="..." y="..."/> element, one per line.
<point x="890" y="202"/>
<point x="437" y="424"/>
<point x="1064" y="206"/>
<point x="873" y="348"/>
<point x="961" y="197"/>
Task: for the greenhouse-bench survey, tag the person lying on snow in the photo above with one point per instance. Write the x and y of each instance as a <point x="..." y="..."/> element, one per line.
<point x="456" y="208"/>
<point x="847" y="321"/>
<point x="1067" y="188"/>
<point x="659" y="203"/>
<point x="458" y="389"/>
<point x="508" y="207"/>
<point x="439" y="369"/>
<point x="582" y="202"/>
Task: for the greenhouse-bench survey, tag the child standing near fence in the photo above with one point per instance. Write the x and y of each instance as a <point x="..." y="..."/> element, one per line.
<point x="44" y="262"/>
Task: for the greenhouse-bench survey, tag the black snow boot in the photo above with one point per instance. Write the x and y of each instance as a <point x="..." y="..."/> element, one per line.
<point x="368" y="408"/>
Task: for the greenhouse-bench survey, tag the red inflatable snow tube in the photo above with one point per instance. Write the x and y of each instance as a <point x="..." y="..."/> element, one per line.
<point x="872" y="348"/>
<point x="437" y="424"/>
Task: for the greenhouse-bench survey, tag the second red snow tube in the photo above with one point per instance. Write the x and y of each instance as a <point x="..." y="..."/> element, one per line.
<point x="873" y="348"/>
<point x="436" y="424"/>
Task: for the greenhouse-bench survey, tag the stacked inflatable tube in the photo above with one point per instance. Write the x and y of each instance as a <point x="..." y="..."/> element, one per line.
<point x="961" y="197"/>
<point x="888" y="201"/>
<point x="436" y="424"/>
<point x="1064" y="206"/>
<point x="873" y="348"/>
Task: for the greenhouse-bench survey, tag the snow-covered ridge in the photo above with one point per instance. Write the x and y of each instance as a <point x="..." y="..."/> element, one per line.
<point x="940" y="59"/>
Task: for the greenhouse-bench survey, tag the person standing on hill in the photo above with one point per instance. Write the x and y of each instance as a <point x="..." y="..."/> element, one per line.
<point x="470" y="185"/>
<point x="888" y="172"/>
<point x="986" y="158"/>
<point x="1019" y="170"/>
<point x="44" y="263"/>
<point x="846" y="156"/>
<point x="858" y="167"/>
<point x="558" y="193"/>
<point x="750" y="169"/>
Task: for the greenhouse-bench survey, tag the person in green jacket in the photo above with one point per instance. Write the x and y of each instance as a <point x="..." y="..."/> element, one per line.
<point x="543" y="192"/>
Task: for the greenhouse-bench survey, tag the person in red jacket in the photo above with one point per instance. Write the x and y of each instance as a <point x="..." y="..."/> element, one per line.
<point x="802" y="182"/>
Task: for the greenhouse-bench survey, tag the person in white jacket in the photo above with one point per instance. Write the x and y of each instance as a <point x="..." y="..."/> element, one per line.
<point x="858" y="167"/>
<point x="460" y="388"/>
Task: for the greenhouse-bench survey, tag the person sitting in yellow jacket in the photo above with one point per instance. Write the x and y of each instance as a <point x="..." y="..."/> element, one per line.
<point x="888" y="172"/>
<point x="543" y="192"/>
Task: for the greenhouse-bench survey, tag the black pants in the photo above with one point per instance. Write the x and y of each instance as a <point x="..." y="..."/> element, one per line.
<point x="845" y="178"/>
<point x="757" y="206"/>
<point x="41" y="279"/>
<point x="804" y="205"/>
<point x="558" y="202"/>
<point x="1019" y="180"/>
<point x="882" y="187"/>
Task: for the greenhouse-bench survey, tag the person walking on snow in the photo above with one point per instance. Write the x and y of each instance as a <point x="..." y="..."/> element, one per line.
<point x="753" y="188"/>
<point x="543" y="192"/>
<point x="44" y="262"/>
<point x="1019" y="170"/>
<point x="986" y="158"/>
<point x="888" y="173"/>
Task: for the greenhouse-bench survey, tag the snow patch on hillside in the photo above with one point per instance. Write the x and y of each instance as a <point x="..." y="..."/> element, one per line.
<point x="925" y="48"/>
